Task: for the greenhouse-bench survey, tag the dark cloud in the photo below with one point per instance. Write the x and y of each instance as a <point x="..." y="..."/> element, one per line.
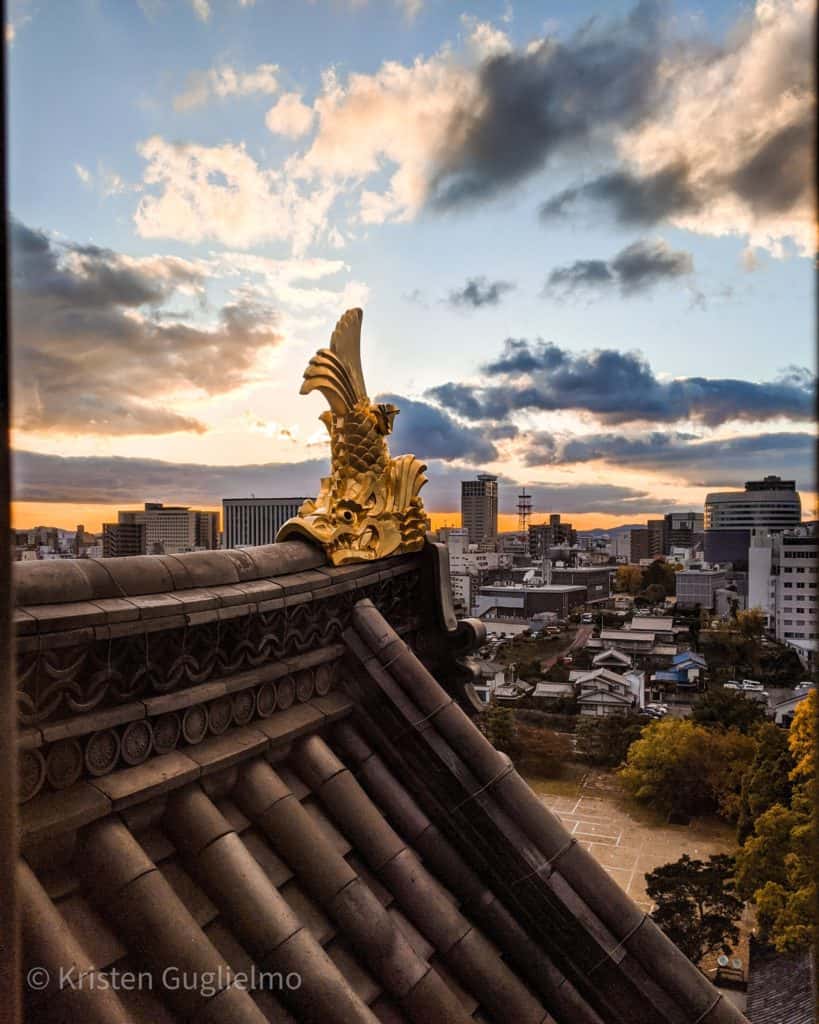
<point x="636" y="268"/>
<point x="712" y="462"/>
<point x="644" y="264"/>
<point x="128" y="482"/>
<point x="776" y="177"/>
<point x="479" y="292"/>
<point x="634" y="200"/>
<point x="539" y="101"/>
<point x="619" y="387"/>
<point x="95" y="352"/>
<point x="112" y="480"/>
<point x="580" y="275"/>
<point x="430" y="433"/>
<point x="639" y="87"/>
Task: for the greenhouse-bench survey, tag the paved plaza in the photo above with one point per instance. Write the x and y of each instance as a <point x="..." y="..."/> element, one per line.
<point x="625" y="841"/>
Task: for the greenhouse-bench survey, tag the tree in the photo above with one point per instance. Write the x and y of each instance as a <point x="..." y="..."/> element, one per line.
<point x="729" y="709"/>
<point x="696" y="904"/>
<point x="629" y="579"/>
<point x="775" y="866"/>
<point x="751" y="623"/>
<point x="605" y="739"/>
<point x="498" y="725"/>
<point x="654" y="593"/>
<point x="683" y="768"/>
<point x="540" y="752"/>
<point x="661" y="574"/>
<point x="767" y="781"/>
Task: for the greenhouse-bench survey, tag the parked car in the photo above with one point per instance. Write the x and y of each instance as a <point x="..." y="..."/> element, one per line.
<point x="587" y="618"/>
<point x="803" y="687"/>
<point x="752" y="684"/>
<point x="567" y="659"/>
<point x="732" y="684"/>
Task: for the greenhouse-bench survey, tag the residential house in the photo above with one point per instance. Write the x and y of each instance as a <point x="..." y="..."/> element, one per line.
<point x="603" y="692"/>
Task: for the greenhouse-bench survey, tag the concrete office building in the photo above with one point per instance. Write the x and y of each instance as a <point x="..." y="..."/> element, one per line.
<point x="782" y="581"/>
<point x="248" y="522"/>
<point x="554" y="534"/>
<point x="519" y="602"/>
<point x="769" y="504"/>
<point x="119" y="540"/>
<point x="699" y="587"/>
<point x="479" y="508"/>
<point x="682" y="530"/>
<point x="596" y="580"/>
<point x="168" y="529"/>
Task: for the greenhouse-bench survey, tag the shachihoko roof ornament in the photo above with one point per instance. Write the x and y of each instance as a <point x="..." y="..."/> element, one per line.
<point x="369" y="507"/>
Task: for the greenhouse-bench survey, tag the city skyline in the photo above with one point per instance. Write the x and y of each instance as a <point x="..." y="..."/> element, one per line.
<point x="603" y="294"/>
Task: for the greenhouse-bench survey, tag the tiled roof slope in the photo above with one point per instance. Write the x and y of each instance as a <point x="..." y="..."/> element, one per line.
<point x="781" y="987"/>
<point x="324" y="837"/>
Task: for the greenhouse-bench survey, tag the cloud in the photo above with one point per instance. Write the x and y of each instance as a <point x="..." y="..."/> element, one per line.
<point x="636" y="268"/>
<point x="201" y="8"/>
<point x="83" y="174"/>
<point x="634" y="200"/>
<point x="397" y="118"/>
<point x="112" y="480"/>
<point x="552" y="96"/>
<point x="221" y="193"/>
<point x="727" y="461"/>
<point x="715" y="138"/>
<point x="728" y="148"/>
<point x="223" y="82"/>
<point x="290" y="116"/>
<point x="99" y="347"/>
<point x="619" y="387"/>
<point x="479" y="292"/>
<point x="430" y="433"/>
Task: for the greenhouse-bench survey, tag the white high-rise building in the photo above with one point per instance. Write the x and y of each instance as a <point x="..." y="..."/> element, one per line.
<point x="782" y="581"/>
<point x="249" y="522"/>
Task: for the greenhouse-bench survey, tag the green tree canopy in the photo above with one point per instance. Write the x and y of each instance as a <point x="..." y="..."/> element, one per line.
<point x="681" y="767"/>
<point x="730" y="709"/>
<point x="775" y="865"/>
<point x="696" y="905"/>
<point x="767" y="781"/>
<point x="605" y="739"/>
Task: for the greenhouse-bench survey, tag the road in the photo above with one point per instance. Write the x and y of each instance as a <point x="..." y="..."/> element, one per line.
<point x="580" y="638"/>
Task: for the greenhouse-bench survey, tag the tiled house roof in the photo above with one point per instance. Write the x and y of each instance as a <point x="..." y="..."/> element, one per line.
<point x="781" y="987"/>
<point x="250" y="767"/>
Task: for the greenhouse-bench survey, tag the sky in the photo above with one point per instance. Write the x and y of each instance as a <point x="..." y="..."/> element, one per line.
<point x="582" y="236"/>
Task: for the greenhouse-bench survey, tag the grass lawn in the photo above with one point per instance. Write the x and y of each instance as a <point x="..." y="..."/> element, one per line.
<point x="525" y="649"/>
<point x="569" y="782"/>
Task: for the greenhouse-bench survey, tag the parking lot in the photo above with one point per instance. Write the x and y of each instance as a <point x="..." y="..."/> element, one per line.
<point x="627" y="841"/>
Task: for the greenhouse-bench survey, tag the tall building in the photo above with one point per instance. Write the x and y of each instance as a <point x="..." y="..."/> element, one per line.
<point x="168" y="529"/>
<point x="553" y="534"/>
<point x="120" y="540"/>
<point x="479" y="508"/>
<point x="640" y="544"/>
<point x="682" y="530"/>
<point x="248" y="522"/>
<point x="782" y="582"/>
<point x="656" y="537"/>
<point x="769" y="504"/>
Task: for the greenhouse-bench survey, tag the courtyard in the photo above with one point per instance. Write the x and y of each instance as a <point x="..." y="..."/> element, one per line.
<point x="627" y="839"/>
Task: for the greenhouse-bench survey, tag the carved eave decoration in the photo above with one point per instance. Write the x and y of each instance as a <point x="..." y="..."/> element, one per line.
<point x="369" y="507"/>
